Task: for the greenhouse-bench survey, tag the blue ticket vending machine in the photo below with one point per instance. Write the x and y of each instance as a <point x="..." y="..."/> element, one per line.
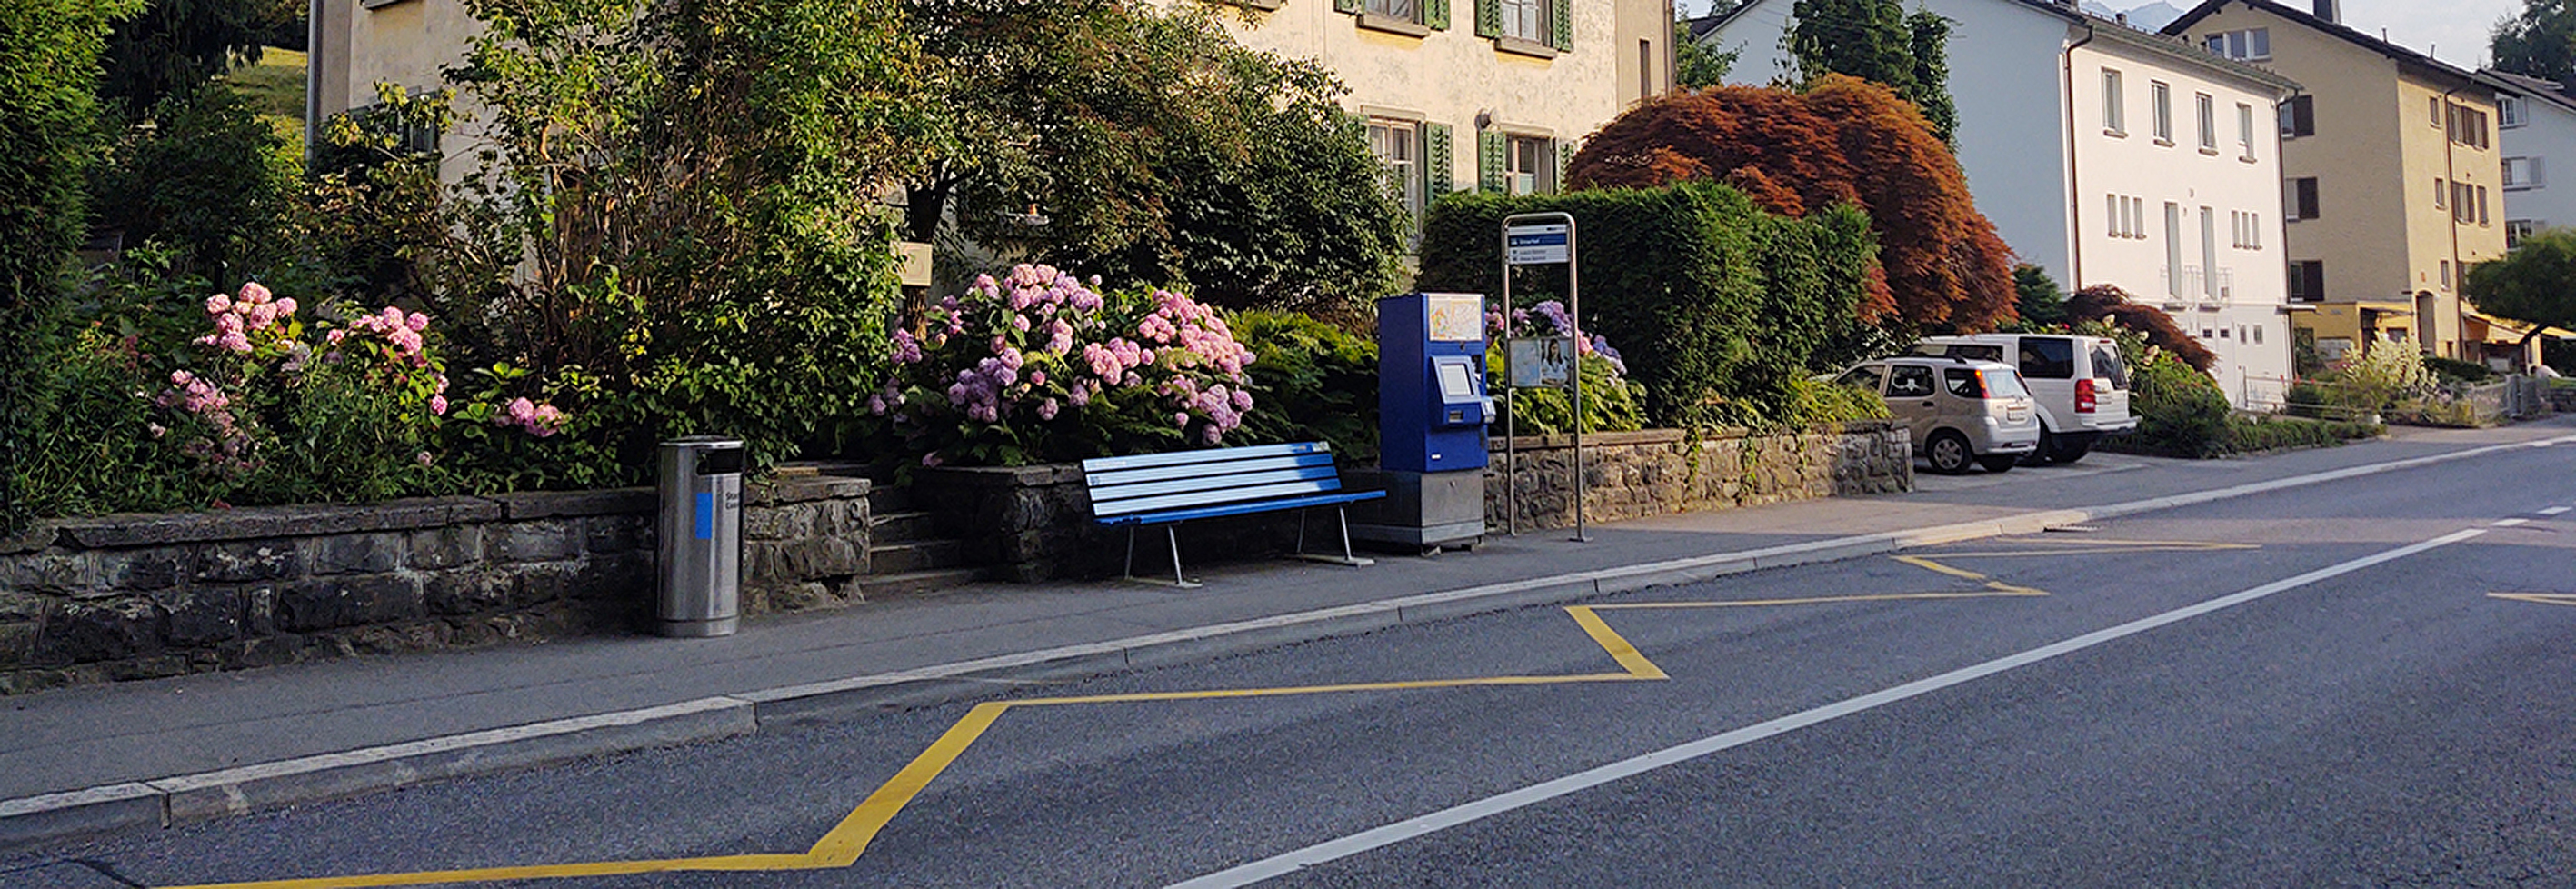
<point x="1431" y="382"/>
<point x="1432" y="411"/>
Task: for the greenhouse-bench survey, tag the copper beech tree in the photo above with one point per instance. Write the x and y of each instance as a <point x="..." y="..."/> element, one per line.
<point x="1844" y="141"/>
<point x="2106" y="301"/>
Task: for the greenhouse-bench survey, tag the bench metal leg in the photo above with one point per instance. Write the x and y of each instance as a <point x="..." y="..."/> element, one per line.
<point x="1171" y="535"/>
<point x="1346" y="558"/>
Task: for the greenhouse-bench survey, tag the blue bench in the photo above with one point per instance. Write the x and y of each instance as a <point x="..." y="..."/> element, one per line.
<point x="1168" y="489"/>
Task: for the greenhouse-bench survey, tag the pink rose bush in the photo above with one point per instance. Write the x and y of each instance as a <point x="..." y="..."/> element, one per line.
<point x="1038" y="365"/>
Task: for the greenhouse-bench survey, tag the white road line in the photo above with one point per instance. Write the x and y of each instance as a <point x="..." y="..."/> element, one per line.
<point x="1333" y="850"/>
<point x="2508" y="523"/>
<point x="2554" y="510"/>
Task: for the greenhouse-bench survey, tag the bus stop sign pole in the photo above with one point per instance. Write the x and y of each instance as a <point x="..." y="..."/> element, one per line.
<point x="1548" y="239"/>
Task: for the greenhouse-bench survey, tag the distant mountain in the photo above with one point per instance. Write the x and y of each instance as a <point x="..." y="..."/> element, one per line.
<point x="2150" y="17"/>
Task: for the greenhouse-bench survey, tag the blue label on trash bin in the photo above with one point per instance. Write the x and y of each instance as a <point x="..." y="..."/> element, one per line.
<point x="706" y="515"/>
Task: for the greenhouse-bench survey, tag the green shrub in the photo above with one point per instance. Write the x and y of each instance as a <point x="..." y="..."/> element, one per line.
<point x="2455" y="370"/>
<point x="2252" y="435"/>
<point x="1311" y="380"/>
<point x="2180" y="411"/>
<point x="206" y="176"/>
<point x="1721" y="308"/>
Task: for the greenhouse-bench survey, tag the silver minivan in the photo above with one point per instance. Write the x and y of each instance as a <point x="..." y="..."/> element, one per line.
<point x="1960" y="412"/>
<point x="2078" y="382"/>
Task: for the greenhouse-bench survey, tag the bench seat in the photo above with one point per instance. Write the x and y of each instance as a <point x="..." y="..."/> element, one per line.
<point x="1170" y="488"/>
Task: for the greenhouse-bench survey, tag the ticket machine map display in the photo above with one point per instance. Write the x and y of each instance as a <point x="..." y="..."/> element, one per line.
<point x="1431" y="382"/>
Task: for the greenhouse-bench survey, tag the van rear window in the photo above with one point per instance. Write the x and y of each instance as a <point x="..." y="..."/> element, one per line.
<point x="2106" y="364"/>
<point x="2048" y="357"/>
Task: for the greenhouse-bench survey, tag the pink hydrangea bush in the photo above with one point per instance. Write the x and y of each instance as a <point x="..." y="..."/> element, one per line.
<point x="1038" y="365"/>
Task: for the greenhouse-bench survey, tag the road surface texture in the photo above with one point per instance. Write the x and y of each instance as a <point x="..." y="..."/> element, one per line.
<point x="2362" y="683"/>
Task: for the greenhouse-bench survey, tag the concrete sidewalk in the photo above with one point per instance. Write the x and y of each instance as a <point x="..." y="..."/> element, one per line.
<point x="146" y="753"/>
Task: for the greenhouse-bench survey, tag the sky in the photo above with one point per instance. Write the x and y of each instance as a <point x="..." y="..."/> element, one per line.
<point x="2455" y="31"/>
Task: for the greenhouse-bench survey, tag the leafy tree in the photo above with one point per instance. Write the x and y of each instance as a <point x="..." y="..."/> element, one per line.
<point x="1845" y="141"/>
<point x="175" y="45"/>
<point x="2106" y="301"/>
<point x="1113" y="137"/>
<point x="2037" y="297"/>
<point x="677" y="221"/>
<point x="49" y="53"/>
<point x="2535" y="284"/>
<point x="2539" y="42"/>
<point x="208" y="178"/>
<point x="1875" y="40"/>
<point x="1697" y="66"/>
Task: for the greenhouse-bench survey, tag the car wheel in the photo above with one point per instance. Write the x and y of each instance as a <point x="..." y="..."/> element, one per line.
<point x="2038" y="456"/>
<point x="1948" y="451"/>
<point x="1999" y="462"/>
<point x="2065" y="449"/>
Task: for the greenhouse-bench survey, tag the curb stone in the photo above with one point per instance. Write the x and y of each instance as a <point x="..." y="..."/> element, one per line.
<point x="30" y="821"/>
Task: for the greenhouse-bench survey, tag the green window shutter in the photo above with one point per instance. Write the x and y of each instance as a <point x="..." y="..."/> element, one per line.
<point x="1348" y="5"/>
<point x="1439" y="162"/>
<point x="1561" y="30"/>
<point x="1489" y="18"/>
<point x="1491" y="150"/>
<point x="1564" y="156"/>
<point x="1435" y="13"/>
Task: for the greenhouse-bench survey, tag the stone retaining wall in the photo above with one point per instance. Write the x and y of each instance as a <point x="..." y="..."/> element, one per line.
<point x="140" y="596"/>
<point x="1035" y="521"/>
<point x="1633" y="475"/>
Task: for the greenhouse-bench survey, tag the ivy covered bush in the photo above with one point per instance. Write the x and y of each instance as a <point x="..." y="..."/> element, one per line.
<point x="1722" y="309"/>
<point x="1037" y="366"/>
<point x="1314" y="381"/>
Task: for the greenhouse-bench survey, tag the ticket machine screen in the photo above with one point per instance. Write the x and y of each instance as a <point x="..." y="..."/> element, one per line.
<point x="1455" y="384"/>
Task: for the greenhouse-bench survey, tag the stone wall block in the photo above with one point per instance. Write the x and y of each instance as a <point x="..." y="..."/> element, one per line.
<point x="821" y="557"/>
<point x="464" y="591"/>
<point x="201" y="617"/>
<point x="372" y="553"/>
<point x="453" y="546"/>
<point x="57" y="572"/>
<point x="624" y="534"/>
<point x="540" y="584"/>
<point x="546" y="540"/>
<point x="146" y="570"/>
<point x="330" y="603"/>
<point x="250" y="561"/>
<point x="87" y="632"/>
<point x="618" y="576"/>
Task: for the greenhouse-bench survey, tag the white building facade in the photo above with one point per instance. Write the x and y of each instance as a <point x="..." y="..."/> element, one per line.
<point x="2108" y="155"/>
<point x="2536" y="125"/>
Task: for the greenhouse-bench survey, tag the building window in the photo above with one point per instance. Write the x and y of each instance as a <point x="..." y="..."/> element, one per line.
<point x="2127" y="216"/>
<point x="1525" y="20"/>
<point x="2246" y="228"/>
<point x="1401" y="10"/>
<point x="2508" y="111"/>
<point x="2307" y="280"/>
<point x="2115" y="117"/>
<point x="2244" y="131"/>
<point x="2482" y="207"/>
<point x="2251" y="45"/>
<point x="2173" y="249"/>
<point x="2436" y="105"/>
<point x="2209" y="253"/>
<point x="2205" y="110"/>
<point x="1398" y="146"/>
<point x="2446" y="274"/>
<point x="2517" y="229"/>
<point x="2441" y="195"/>
<point x="1645" y="69"/>
<point x="2523" y="173"/>
<point x="2467" y="126"/>
<point x="2301" y="202"/>
<point x="2161" y="97"/>
<point x="1531" y="165"/>
<point x="2299" y="117"/>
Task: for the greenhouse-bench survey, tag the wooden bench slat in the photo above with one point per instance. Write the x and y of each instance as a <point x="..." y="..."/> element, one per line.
<point x="1210" y="512"/>
<point x="1175" y="458"/>
<point x="1211" y="498"/>
<point x="1113" y="478"/>
<point x="1111" y="493"/>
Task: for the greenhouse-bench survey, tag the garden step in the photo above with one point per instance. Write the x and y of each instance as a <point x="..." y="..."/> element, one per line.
<point x="888" y="499"/>
<point x="914" y="583"/>
<point x="899" y="558"/>
<point x="887" y="528"/>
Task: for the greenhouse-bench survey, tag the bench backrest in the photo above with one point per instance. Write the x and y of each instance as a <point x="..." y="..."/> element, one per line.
<point x="1184" y="479"/>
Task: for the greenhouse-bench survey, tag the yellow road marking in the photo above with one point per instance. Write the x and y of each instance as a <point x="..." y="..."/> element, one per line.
<point x="842" y="845"/>
<point x="2537" y="598"/>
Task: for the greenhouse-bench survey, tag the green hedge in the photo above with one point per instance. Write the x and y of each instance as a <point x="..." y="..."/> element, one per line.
<point x="1720" y="308"/>
<point x="2282" y="433"/>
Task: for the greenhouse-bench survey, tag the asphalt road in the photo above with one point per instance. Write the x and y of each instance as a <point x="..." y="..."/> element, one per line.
<point x="2320" y="686"/>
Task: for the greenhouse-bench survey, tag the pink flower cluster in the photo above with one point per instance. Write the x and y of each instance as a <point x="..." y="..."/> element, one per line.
<point x="227" y="449"/>
<point x="540" y="420"/>
<point x="235" y="319"/>
<point x="1223" y="407"/>
<point x="402" y="332"/>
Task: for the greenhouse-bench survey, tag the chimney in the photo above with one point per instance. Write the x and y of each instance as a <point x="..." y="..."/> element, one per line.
<point x="2122" y="18"/>
<point x="2330" y="10"/>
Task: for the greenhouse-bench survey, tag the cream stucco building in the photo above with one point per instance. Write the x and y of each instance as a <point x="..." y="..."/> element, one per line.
<point x="2109" y="155"/>
<point x="2392" y="178"/>
<point x="1493" y="94"/>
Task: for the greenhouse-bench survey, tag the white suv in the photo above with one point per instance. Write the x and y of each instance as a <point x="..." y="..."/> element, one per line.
<point x="1959" y="411"/>
<point x="2079" y="382"/>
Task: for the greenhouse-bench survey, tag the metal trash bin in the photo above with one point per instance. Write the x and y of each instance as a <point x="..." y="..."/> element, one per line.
<point x="698" y="537"/>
